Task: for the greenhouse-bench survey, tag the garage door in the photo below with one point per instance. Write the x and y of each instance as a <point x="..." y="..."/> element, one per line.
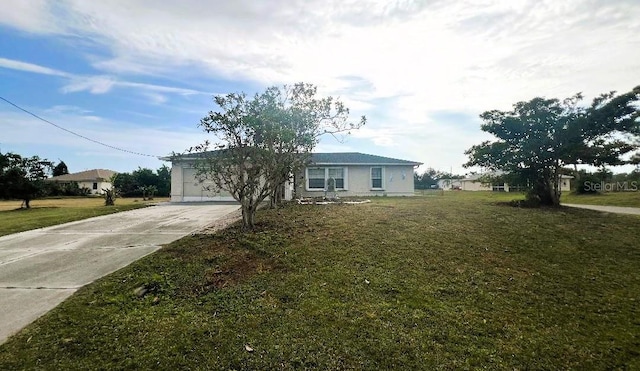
<point x="193" y="190"/>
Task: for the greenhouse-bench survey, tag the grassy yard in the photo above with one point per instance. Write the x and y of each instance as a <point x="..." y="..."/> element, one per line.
<point x="47" y="212"/>
<point x="457" y="281"/>
<point x="630" y="199"/>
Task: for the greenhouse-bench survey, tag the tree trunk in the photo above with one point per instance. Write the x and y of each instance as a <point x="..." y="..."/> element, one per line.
<point x="545" y="191"/>
<point x="26" y="203"/>
<point x="273" y="201"/>
<point x="248" y="215"/>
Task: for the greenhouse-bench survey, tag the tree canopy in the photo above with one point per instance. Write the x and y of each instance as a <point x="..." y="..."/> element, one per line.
<point x="60" y="169"/>
<point x="538" y="138"/>
<point x="22" y="177"/>
<point x="141" y="181"/>
<point x="262" y="140"/>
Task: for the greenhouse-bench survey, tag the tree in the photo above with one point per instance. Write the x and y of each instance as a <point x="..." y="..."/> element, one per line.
<point x="60" y="169"/>
<point x="126" y="184"/>
<point x="264" y="139"/>
<point x="148" y="192"/>
<point x="132" y="184"/>
<point x="164" y="181"/>
<point x="539" y="137"/>
<point x="21" y="177"/>
<point x="110" y="194"/>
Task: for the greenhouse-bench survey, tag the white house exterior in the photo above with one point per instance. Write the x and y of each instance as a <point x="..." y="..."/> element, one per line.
<point x="354" y="174"/>
<point x="472" y="183"/>
<point x="95" y="180"/>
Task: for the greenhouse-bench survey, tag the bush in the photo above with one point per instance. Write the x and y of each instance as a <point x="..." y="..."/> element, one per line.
<point x="585" y="183"/>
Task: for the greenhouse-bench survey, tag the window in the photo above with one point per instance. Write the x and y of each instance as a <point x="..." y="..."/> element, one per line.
<point x="338" y="175"/>
<point x="376" y="177"/>
<point x="317" y="177"/>
<point x="95" y="185"/>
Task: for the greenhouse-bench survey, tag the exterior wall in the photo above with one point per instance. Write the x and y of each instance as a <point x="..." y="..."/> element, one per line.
<point x="186" y="188"/>
<point x="397" y="180"/>
<point x="469" y="185"/>
<point x="101" y="184"/>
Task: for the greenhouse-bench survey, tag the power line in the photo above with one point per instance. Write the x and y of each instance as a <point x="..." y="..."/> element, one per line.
<point x="74" y="133"/>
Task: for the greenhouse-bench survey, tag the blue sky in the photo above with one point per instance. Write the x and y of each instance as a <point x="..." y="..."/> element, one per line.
<point x="139" y="74"/>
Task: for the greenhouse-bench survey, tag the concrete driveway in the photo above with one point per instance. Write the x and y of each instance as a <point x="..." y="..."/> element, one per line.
<point x="608" y="209"/>
<point x="41" y="268"/>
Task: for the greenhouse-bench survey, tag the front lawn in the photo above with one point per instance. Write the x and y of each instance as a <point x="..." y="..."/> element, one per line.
<point x="53" y="211"/>
<point x="448" y="282"/>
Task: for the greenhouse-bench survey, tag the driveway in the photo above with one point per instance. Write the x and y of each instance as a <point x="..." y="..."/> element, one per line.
<point x="608" y="209"/>
<point x="41" y="268"/>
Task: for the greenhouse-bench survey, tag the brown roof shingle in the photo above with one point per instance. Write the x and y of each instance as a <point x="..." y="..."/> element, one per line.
<point x="87" y="175"/>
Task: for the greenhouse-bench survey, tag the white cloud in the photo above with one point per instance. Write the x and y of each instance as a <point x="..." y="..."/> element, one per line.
<point x="34" y="16"/>
<point x="399" y="62"/>
<point x="93" y="84"/>
<point x="97" y="84"/>
<point x="30" y="67"/>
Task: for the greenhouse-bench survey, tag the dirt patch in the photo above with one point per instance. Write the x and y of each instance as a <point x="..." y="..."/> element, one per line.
<point x="222" y="222"/>
<point x="331" y="201"/>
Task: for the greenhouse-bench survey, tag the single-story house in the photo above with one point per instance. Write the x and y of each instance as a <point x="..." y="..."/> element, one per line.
<point x="356" y="174"/>
<point x="348" y="174"/>
<point x="472" y="183"/>
<point x="95" y="180"/>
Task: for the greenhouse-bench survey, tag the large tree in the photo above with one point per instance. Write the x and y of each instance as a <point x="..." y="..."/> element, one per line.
<point x="538" y="138"/>
<point x="60" y="169"/>
<point x="140" y="181"/>
<point x="262" y="140"/>
<point x="22" y="177"/>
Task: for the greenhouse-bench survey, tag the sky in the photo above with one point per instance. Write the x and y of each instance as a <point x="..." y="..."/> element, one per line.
<point x="139" y="75"/>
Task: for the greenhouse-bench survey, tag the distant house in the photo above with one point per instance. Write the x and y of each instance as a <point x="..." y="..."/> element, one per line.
<point x="473" y="183"/>
<point x="95" y="180"/>
<point x="348" y="174"/>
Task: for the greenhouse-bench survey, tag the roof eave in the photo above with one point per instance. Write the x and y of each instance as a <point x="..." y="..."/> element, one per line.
<point x="365" y="164"/>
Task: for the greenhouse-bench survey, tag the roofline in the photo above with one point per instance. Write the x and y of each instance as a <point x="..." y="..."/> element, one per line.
<point x="182" y="158"/>
<point x="53" y="179"/>
<point x="368" y="163"/>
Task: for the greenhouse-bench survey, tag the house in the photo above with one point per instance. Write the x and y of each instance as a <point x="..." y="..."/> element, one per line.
<point x="356" y="174"/>
<point x="95" y="180"/>
<point x="350" y="174"/>
<point x="472" y="183"/>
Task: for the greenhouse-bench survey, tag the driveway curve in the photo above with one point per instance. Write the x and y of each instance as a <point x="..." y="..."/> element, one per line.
<point x="41" y="268"/>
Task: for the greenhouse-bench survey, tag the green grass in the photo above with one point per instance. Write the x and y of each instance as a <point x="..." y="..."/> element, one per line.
<point x="629" y="199"/>
<point x="48" y="212"/>
<point x="458" y="281"/>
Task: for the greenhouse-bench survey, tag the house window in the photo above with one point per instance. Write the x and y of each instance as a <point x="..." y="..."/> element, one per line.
<point x="338" y="175"/>
<point x="376" y="178"/>
<point x="95" y="186"/>
<point x="317" y="177"/>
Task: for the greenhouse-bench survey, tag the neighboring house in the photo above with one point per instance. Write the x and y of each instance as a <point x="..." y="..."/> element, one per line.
<point x="95" y="180"/>
<point x="472" y="183"/>
<point x="351" y="174"/>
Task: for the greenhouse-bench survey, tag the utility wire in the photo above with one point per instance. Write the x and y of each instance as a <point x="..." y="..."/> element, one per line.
<point x="74" y="133"/>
